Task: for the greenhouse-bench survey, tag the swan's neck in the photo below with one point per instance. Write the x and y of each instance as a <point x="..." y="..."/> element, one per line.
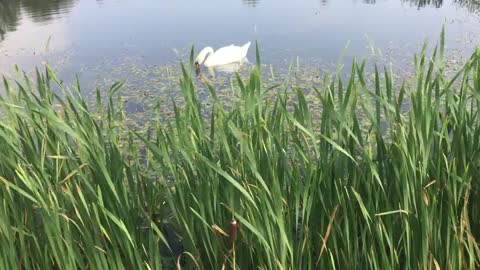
<point x="202" y="56"/>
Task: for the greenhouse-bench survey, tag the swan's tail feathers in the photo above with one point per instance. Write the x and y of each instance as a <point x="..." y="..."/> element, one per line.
<point x="246" y="46"/>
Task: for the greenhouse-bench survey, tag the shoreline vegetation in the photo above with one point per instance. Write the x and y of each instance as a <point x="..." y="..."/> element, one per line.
<point x="258" y="184"/>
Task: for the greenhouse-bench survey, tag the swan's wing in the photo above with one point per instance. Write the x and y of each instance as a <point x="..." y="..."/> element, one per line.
<point x="232" y="49"/>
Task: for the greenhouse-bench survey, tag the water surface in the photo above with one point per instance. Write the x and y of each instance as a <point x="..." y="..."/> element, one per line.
<point x="95" y="38"/>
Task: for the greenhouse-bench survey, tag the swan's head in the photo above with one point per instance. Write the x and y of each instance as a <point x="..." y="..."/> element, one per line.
<point x="197" y="68"/>
<point x="202" y="56"/>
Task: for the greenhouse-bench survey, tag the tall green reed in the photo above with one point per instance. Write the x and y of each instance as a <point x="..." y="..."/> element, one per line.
<point x="332" y="193"/>
<point x="385" y="178"/>
<point x="71" y="196"/>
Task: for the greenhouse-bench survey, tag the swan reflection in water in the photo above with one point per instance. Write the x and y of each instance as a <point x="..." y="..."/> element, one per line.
<point x="227" y="68"/>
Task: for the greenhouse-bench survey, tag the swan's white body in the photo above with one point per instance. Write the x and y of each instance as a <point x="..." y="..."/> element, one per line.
<point x="227" y="68"/>
<point x="223" y="56"/>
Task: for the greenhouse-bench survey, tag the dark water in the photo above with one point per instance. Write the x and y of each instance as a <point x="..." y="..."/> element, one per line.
<point x="95" y="37"/>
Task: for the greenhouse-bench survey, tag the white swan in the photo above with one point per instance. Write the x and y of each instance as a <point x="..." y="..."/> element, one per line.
<point x="223" y="56"/>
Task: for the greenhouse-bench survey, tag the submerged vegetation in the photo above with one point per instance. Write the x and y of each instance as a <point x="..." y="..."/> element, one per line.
<point x="385" y="177"/>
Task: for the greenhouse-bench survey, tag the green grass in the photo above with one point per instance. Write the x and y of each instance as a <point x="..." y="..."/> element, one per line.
<point x="385" y="178"/>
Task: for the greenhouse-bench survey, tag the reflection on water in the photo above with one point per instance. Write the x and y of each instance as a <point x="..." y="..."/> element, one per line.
<point x="11" y="11"/>
<point x="416" y="3"/>
<point x="472" y="6"/>
<point x="9" y="16"/>
<point x="40" y="11"/>
<point x="80" y="34"/>
<point x="323" y="2"/>
<point x="251" y="3"/>
<point x="426" y="3"/>
<point x="228" y="68"/>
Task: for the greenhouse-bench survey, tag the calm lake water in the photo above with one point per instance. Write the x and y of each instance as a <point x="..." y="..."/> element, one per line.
<point x="95" y="38"/>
